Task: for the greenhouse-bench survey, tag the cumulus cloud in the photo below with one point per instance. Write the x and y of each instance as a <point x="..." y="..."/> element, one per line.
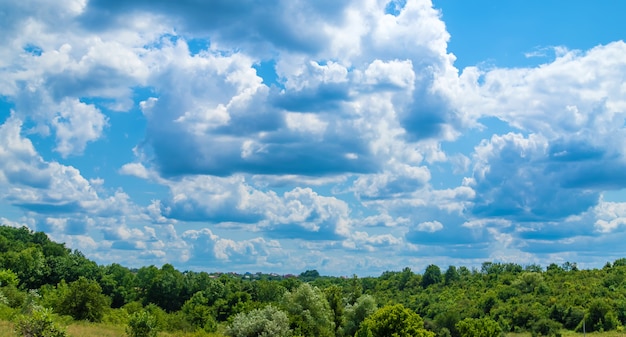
<point x="327" y="128"/>
<point x="514" y="178"/>
<point x="297" y="214"/>
<point x="204" y="245"/>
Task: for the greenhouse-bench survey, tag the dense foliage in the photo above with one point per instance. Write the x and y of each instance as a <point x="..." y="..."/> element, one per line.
<point x="452" y="302"/>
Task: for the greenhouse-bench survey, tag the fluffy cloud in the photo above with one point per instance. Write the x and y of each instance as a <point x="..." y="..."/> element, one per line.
<point x="515" y="178"/>
<point x="331" y="127"/>
<point x="204" y="245"/>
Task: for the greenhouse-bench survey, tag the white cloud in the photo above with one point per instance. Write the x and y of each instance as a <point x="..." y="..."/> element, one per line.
<point x="343" y="153"/>
<point x="204" y="244"/>
<point x="135" y="169"/>
<point x="610" y="216"/>
<point x="76" y="124"/>
<point x="430" y="226"/>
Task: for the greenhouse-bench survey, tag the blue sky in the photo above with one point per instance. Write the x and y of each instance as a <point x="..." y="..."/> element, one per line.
<point x="351" y="137"/>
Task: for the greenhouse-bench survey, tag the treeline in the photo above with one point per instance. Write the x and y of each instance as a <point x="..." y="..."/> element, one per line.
<point x="457" y="301"/>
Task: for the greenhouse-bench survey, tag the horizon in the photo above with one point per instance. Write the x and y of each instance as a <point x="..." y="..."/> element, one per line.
<point x="347" y="137"/>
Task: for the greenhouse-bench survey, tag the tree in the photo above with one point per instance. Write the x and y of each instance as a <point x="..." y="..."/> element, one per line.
<point x="197" y="312"/>
<point x="432" y="275"/>
<point x="335" y="301"/>
<point x="394" y="320"/>
<point x="309" y="275"/>
<point x="84" y="301"/>
<point x="601" y="316"/>
<point x="355" y="289"/>
<point x="267" y="291"/>
<point x="479" y="327"/>
<point x="451" y="275"/>
<point x="28" y="264"/>
<point x="142" y="324"/>
<point x="8" y="278"/>
<point x="355" y="314"/>
<point x="309" y="312"/>
<point x="165" y="288"/>
<point x="269" y="321"/>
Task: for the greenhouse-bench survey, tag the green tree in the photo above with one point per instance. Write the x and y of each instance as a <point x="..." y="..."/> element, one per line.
<point x="269" y="322"/>
<point x="335" y="301"/>
<point x="432" y="275"/>
<point x="355" y="289"/>
<point x="601" y="316"/>
<point x="165" y="288"/>
<point x="142" y="324"/>
<point x="479" y="327"/>
<point x="309" y="275"/>
<point x="28" y="264"/>
<point x="394" y="321"/>
<point x="84" y="301"/>
<point x="355" y="314"/>
<point x="197" y="312"/>
<point x="309" y="312"/>
<point x="265" y="291"/>
<point x="451" y="275"/>
<point x="8" y="278"/>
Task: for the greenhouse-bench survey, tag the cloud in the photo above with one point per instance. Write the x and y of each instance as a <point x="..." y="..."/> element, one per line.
<point x="214" y="199"/>
<point x="231" y="24"/>
<point x="611" y="216"/>
<point x="204" y="245"/>
<point x="77" y="124"/>
<point x="363" y="241"/>
<point x="514" y="178"/>
<point x="430" y="226"/>
<point x="341" y="128"/>
<point x="297" y="214"/>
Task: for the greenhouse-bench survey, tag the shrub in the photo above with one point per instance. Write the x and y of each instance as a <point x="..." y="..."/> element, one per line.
<point x="393" y="320"/>
<point x="268" y="321"/>
<point x="38" y="323"/>
<point x="479" y="327"/>
<point x="142" y="324"/>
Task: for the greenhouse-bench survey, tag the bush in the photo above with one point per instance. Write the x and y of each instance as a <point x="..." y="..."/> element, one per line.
<point x="546" y="327"/>
<point x="393" y="320"/>
<point x="142" y="324"/>
<point x="38" y="323"/>
<point x="268" y="321"/>
<point x="479" y="327"/>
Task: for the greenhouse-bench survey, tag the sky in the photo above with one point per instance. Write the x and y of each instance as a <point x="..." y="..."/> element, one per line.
<point x="350" y="137"/>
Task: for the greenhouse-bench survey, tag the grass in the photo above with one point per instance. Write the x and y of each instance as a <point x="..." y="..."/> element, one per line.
<point x="6" y="329"/>
<point x="613" y="333"/>
<point x="84" y="329"/>
<point x="567" y="333"/>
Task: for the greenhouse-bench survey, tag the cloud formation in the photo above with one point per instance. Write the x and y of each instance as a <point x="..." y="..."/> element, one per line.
<point x="335" y="135"/>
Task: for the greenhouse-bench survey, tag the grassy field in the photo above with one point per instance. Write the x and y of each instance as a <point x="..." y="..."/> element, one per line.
<point x="106" y="330"/>
<point x="80" y="329"/>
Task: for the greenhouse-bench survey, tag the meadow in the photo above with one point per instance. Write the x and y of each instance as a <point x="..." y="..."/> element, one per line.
<point x="86" y="329"/>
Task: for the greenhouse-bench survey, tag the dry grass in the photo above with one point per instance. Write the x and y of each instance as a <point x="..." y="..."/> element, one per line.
<point x="567" y="333"/>
<point x="81" y="329"/>
<point x="614" y="333"/>
<point x="6" y="329"/>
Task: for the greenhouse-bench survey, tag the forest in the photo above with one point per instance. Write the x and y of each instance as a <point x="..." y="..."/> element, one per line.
<point x="45" y="286"/>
